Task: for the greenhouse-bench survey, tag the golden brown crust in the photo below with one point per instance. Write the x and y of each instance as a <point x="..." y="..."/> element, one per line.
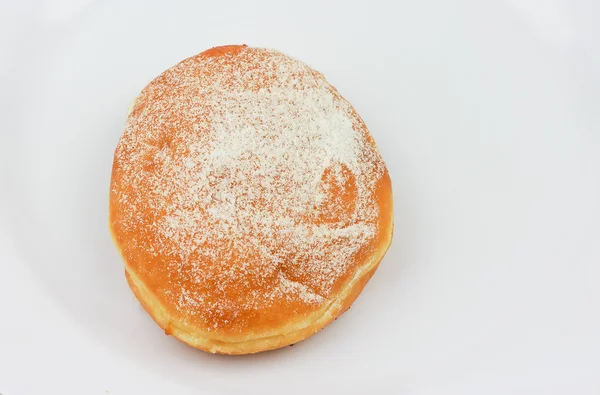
<point x="255" y="310"/>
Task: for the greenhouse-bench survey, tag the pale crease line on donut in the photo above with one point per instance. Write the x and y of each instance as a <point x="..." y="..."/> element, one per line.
<point x="131" y="105"/>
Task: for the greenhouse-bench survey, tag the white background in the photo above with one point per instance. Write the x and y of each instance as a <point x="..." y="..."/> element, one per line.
<point x="487" y="114"/>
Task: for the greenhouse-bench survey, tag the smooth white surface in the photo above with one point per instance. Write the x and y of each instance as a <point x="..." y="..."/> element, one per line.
<point x="488" y="116"/>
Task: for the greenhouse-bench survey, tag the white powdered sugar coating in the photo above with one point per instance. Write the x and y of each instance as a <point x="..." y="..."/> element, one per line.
<point x="255" y="179"/>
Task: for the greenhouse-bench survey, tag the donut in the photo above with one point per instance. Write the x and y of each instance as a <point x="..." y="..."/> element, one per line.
<point x="248" y="200"/>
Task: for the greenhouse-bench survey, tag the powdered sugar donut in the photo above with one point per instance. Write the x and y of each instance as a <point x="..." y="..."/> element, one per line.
<point x="248" y="200"/>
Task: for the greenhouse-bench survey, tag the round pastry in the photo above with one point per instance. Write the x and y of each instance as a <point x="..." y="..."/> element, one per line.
<point x="248" y="200"/>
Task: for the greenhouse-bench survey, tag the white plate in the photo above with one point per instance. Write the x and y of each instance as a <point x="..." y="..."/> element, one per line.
<point x="488" y="116"/>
